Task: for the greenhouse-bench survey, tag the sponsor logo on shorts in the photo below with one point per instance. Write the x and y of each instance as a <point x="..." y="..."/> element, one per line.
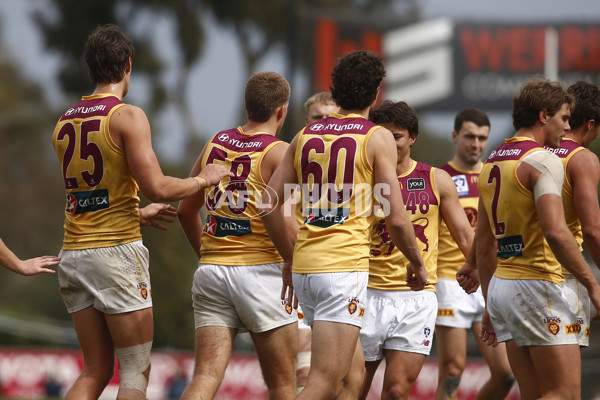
<point x="510" y="246"/>
<point x="426" y="342"/>
<point x="324" y="218"/>
<point x="572" y="329"/>
<point x="446" y="312"/>
<point x="553" y="324"/>
<point x="427" y="332"/>
<point x="353" y="305"/>
<point x="143" y="287"/>
<point x="89" y="201"/>
<point x="361" y="311"/>
<point x="586" y="332"/>
<point x="220" y="227"/>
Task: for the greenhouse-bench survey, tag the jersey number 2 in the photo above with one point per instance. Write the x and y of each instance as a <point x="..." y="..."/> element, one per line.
<point x="87" y="149"/>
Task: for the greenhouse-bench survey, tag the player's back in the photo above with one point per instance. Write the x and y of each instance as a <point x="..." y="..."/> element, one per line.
<point x="387" y="267"/>
<point x="102" y="203"/>
<point x="523" y="252"/>
<point x="336" y="180"/>
<point x="233" y="233"/>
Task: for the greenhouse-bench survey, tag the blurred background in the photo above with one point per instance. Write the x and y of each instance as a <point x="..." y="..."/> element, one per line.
<point x="192" y="60"/>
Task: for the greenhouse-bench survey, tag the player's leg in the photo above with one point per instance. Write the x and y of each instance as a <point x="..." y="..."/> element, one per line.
<point x="524" y="370"/>
<point x="132" y="334"/>
<point x="561" y="378"/>
<point x="451" y="344"/>
<point x="303" y="357"/>
<point x="276" y="350"/>
<point x="355" y="378"/>
<point x="333" y="348"/>
<point x="98" y="355"/>
<point x="213" y="345"/>
<point x="401" y="372"/>
<point x="370" y="370"/>
<point x="501" y="378"/>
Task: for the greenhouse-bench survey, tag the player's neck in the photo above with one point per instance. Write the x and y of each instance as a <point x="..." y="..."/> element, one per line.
<point x="269" y="127"/>
<point x="117" y="89"/>
<point x="575" y="135"/>
<point x="404" y="166"/>
<point x="458" y="163"/>
<point x="364" y="113"/>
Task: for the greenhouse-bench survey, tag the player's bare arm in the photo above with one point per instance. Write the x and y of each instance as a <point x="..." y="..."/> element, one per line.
<point x="552" y="221"/>
<point x="381" y="152"/>
<point x="189" y="209"/>
<point x="274" y="222"/>
<point x="130" y="130"/>
<point x="268" y="167"/>
<point x="31" y="266"/>
<point x="583" y="172"/>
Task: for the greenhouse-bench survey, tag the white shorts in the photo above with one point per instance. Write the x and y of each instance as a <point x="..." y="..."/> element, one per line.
<point x="245" y="297"/>
<point x="301" y="323"/>
<point x="456" y="308"/>
<point x="532" y="312"/>
<point x="398" y="320"/>
<point x="332" y="296"/>
<point x="579" y="304"/>
<point x="114" y="279"/>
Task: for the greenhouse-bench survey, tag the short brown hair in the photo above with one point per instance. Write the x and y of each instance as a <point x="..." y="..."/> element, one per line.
<point x="106" y="53"/>
<point x="399" y="114"/>
<point x="319" y="98"/>
<point x="265" y="92"/>
<point x="537" y="95"/>
<point x="587" y="103"/>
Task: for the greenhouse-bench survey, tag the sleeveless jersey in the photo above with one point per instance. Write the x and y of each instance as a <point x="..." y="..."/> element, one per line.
<point x="336" y="185"/>
<point x="233" y="233"/>
<point x="450" y="258"/>
<point x="567" y="149"/>
<point x="102" y="203"/>
<point x="523" y="252"/>
<point x="387" y="268"/>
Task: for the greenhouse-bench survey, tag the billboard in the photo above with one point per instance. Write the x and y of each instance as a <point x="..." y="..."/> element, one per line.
<point x="445" y="65"/>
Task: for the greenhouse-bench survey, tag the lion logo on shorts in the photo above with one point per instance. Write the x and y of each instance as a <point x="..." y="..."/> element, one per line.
<point x="143" y="290"/>
<point x="553" y="327"/>
<point x="353" y="306"/>
<point x="288" y="308"/>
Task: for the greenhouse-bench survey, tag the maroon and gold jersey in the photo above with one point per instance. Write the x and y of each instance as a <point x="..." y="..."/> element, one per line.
<point x="523" y="252"/>
<point x="102" y="203"/>
<point x="567" y="149"/>
<point x="387" y="268"/>
<point x="336" y="185"/>
<point x="234" y="233"/>
<point x="450" y="258"/>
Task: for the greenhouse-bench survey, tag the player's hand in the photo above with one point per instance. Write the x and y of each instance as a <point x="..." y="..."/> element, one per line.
<point x="416" y="278"/>
<point x="37" y="265"/>
<point x="467" y="278"/>
<point x="287" y="291"/>
<point x="213" y="173"/>
<point x="594" y="295"/>
<point x="487" y="334"/>
<point x="152" y="214"/>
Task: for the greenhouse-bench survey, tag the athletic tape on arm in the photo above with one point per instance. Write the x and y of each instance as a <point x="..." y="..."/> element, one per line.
<point x="133" y="361"/>
<point x="551" y="171"/>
